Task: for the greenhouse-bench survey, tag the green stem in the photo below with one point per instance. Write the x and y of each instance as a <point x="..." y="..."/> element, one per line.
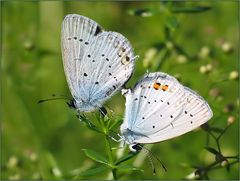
<point x="110" y="156"/>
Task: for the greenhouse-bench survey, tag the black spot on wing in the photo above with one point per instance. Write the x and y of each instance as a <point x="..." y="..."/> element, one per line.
<point x="98" y="30"/>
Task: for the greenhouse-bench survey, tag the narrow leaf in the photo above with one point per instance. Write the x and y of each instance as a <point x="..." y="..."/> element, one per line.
<point x="128" y="167"/>
<point x="115" y="124"/>
<point x="146" y="12"/>
<point x="217" y="130"/>
<point x="89" y="124"/>
<point x="95" y="156"/>
<point x="171" y="22"/>
<point x="125" y="157"/>
<point x="94" y="171"/>
<point x="196" y="9"/>
<point x="212" y="150"/>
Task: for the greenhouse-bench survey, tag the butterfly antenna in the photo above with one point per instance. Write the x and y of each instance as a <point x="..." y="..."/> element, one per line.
<point x="134" y="58"/>
<point x="151" y="163"/>
<point x="51" y="99"/>
<point x="151" y="153"/>
<point x="150" y="160"/>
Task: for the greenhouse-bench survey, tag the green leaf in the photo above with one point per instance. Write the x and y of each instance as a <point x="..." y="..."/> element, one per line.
<point x="196" y="9"/>
<point x="126" y="157"/>
<point x="116" y="123"/>
<point x="94" y="171"/>
<point x="217" y="130"/>
<point x="212" y="150"/>
<point x="171" y="22"/>
<point x="128" y="167"/>
<point x="95" y="156"/>
<point x="89" y="124"/>
<point x="146" y="12"/>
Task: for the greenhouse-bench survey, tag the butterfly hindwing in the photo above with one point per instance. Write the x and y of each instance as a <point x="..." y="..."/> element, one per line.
<point x="166" y="112"/>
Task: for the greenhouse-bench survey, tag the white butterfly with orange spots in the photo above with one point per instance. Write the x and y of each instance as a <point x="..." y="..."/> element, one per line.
<point x="159" y="108"/>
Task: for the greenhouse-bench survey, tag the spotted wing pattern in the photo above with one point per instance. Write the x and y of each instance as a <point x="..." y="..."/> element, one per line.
<point x="97" y="63"/>
<point x="160" y="108"/>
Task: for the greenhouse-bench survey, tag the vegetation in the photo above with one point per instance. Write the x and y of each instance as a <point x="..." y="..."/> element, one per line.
<point x="194" y="41"/>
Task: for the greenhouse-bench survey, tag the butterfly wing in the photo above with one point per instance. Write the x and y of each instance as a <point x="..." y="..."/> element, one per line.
<point x="110" y="63"/>
<point x="166" y="112"/>
<point x="77" y="32"/>
<point x="96" y="62"/>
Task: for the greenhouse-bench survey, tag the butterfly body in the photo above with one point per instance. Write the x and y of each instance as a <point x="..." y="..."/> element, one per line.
<point x="159" y="108"/>
<point x="97" y="63"/>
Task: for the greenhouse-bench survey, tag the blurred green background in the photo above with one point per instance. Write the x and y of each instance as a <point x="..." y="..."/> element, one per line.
<point x="45" y="141"/>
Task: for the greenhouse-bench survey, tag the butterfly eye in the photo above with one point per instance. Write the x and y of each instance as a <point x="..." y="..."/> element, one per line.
<point x="135" y="147"/>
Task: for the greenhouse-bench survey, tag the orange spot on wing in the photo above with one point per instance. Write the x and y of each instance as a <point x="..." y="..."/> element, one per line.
<point x="165" y="87"/>
<point x="156" y="86"/>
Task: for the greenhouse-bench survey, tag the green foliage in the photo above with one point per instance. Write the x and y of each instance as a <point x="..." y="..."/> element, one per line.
<point x="194" y="41"/>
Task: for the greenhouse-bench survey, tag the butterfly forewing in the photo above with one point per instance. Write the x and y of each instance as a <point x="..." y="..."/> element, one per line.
<point x="77" y="32"/>
<point x="96" y="62"/>
<point x="111" y="60"/>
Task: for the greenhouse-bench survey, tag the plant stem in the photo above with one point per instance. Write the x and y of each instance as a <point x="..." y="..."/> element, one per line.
<point x="110" y="156"/>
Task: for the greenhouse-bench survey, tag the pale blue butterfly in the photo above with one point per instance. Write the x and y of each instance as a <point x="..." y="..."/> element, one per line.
<point x="97" y="63"/>
<point x="159" y="108"/>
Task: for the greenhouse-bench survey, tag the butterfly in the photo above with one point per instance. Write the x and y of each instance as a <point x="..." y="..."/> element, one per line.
<point x="97" y="63"/>
<point x="159" y="108"/>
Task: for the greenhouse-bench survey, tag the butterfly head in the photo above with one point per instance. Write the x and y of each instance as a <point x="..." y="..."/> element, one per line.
<point x="136" y="147"/>
<point x="82" y="106"/>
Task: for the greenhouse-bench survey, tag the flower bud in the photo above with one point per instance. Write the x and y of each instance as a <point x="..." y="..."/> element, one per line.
<point x="204" y="52"/>
<point x="203" y="69"/>
<point x="28" y="45"/>
<point x="233" y="75"/>
<point x="12" y="162"/>
<point x="209" y="67"/>
<point x="181" y="59"/>
<point x="149" y="55"/>
<point x="231" y="120"/>
<point x="33" y="156"/>
<point x="169" y="45"/>
<point x="227" y="47"/>
<point x="224" y="163"/>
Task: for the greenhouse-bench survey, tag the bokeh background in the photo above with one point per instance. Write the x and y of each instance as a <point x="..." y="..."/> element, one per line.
<point x="197" y="42"/>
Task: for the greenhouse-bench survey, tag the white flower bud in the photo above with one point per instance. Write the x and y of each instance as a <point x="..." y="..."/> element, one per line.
<point x="233" y="75"/>
<point x="231" y="120"/>
<point x="227" y="47"/>
<point x="204" y="52"/>
<point x="181" y="59"/>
